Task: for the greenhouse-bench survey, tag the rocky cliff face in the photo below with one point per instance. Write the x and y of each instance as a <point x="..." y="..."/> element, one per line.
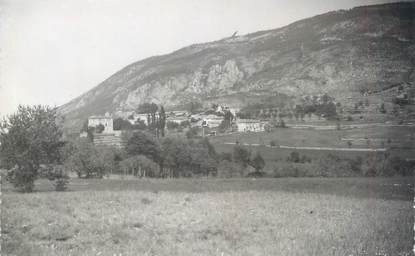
<point x="340" y="53"/>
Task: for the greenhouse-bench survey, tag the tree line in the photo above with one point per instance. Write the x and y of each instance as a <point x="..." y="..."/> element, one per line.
<point x="32" y="146"/>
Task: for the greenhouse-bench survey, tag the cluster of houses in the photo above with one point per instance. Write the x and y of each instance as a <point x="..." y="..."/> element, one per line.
<point x="210" y="119"/>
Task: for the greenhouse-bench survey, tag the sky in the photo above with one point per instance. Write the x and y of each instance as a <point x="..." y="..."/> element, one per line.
<point x="52" y="51"/>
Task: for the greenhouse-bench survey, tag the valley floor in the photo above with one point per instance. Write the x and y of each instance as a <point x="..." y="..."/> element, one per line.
<point x="288" y="216"/>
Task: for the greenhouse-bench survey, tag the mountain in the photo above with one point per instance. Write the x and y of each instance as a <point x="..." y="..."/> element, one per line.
<point x="340" y="53"/>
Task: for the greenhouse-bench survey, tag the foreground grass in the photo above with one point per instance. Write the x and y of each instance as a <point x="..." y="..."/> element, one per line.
<point x="179" y="222"/>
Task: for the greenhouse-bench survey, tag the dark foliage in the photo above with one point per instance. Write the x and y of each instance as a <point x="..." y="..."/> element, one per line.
<point x="29" y="138"/>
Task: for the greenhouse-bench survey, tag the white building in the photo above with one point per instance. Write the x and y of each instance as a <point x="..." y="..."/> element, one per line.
<point x="106" y="121"/>
<point x="141" y="117"/>
<point x="212" y="121"/>
<point x="177" y="119"/>
<point x="249" y="125"/>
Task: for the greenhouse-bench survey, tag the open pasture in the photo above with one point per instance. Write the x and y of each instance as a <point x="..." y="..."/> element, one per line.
<point x="363" y="137"/>
<point x="289" y="216"/>
<point x="398" y="140"/>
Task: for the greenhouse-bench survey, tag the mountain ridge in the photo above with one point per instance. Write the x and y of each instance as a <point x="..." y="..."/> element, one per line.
<point x="340" y="52"/>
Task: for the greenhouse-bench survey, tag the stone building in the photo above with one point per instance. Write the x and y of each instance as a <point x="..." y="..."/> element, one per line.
<point x="106" y="121"/>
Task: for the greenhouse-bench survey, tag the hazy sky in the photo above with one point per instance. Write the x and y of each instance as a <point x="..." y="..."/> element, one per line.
<point x="54" y="50"/>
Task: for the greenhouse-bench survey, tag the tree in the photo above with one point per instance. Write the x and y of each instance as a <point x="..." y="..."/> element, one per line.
<point x="99" y="128"/>
<point x="299" y="112"/>
<point x="224" y="125"/>
<point x="329" y="110"/>
<point x="29" y="138"/>
<point x="185" y="123"/>
<point x="152" y="120"/>
<point x="241" y="155"/>
<point x="183" y="157"/>
<point x="192" y="132"/>
<point x="382" y="108"/>
<point x="226" y="122"/>
<point x="258" y="162"/>
<point x="162" y="120"/>
<point x="121" y="124"/>
<point x="87" y="161"/>
<point x="140" y="166"/>
<point x="176" y="156"/>
<point x="172" y="125"/>
<point x="143" y="143"/>
<point x="147" y="108"/>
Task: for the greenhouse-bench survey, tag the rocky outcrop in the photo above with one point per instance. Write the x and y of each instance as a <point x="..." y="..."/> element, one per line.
<point x="339" y="53"/>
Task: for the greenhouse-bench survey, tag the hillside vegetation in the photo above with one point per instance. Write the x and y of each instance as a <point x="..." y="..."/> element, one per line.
<point x="342" y="53"/>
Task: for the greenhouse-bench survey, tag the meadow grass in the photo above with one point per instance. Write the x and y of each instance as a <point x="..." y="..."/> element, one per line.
<point x="323" y="138"/>
<point x="213" y="217"/>
<point x="398" y="141"/>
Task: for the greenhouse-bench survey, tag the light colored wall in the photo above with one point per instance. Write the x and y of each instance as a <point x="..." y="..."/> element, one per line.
<point x="253" y="127"/>
<point x="106" y="122"/>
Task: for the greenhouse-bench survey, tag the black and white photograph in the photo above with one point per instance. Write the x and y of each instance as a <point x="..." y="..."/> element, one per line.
<point x="208" y="128"/>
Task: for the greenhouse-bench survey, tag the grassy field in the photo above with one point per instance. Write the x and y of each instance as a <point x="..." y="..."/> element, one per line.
<point x="290" y="216"/>
<point x="361" y="137"/>
<point x="399" y="144"/>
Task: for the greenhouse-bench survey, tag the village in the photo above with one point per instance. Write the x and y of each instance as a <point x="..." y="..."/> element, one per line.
<point x="204" y="122"/>
<point x="208" y="123"/>
<point x="310" y="111"/>
<point x="211" y="128"/>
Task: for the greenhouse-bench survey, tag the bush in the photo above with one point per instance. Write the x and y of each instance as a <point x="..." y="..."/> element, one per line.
<point x="305" y="159"/>
<point x="172" y="125"/>
<point x="400" y="166"/>
<point x="273" y="143"/>
<point x="335" y="166"/>
<point x="258" y="162"/>
<point x="387" y="166"/>
<point x="241" y="155"/>
<point x="184" y="124"/>
<point x="294" y="157"/>
<point x="57" y="174"/>
<point x="192" y="132"/>
<point x="326" y="166"/>
<point x="226" y="156"/>
<point x="286" y="170"/>
<point x="228" y="169"/>
<point x="60" y="178"/>
<point x="88" y="161"/>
